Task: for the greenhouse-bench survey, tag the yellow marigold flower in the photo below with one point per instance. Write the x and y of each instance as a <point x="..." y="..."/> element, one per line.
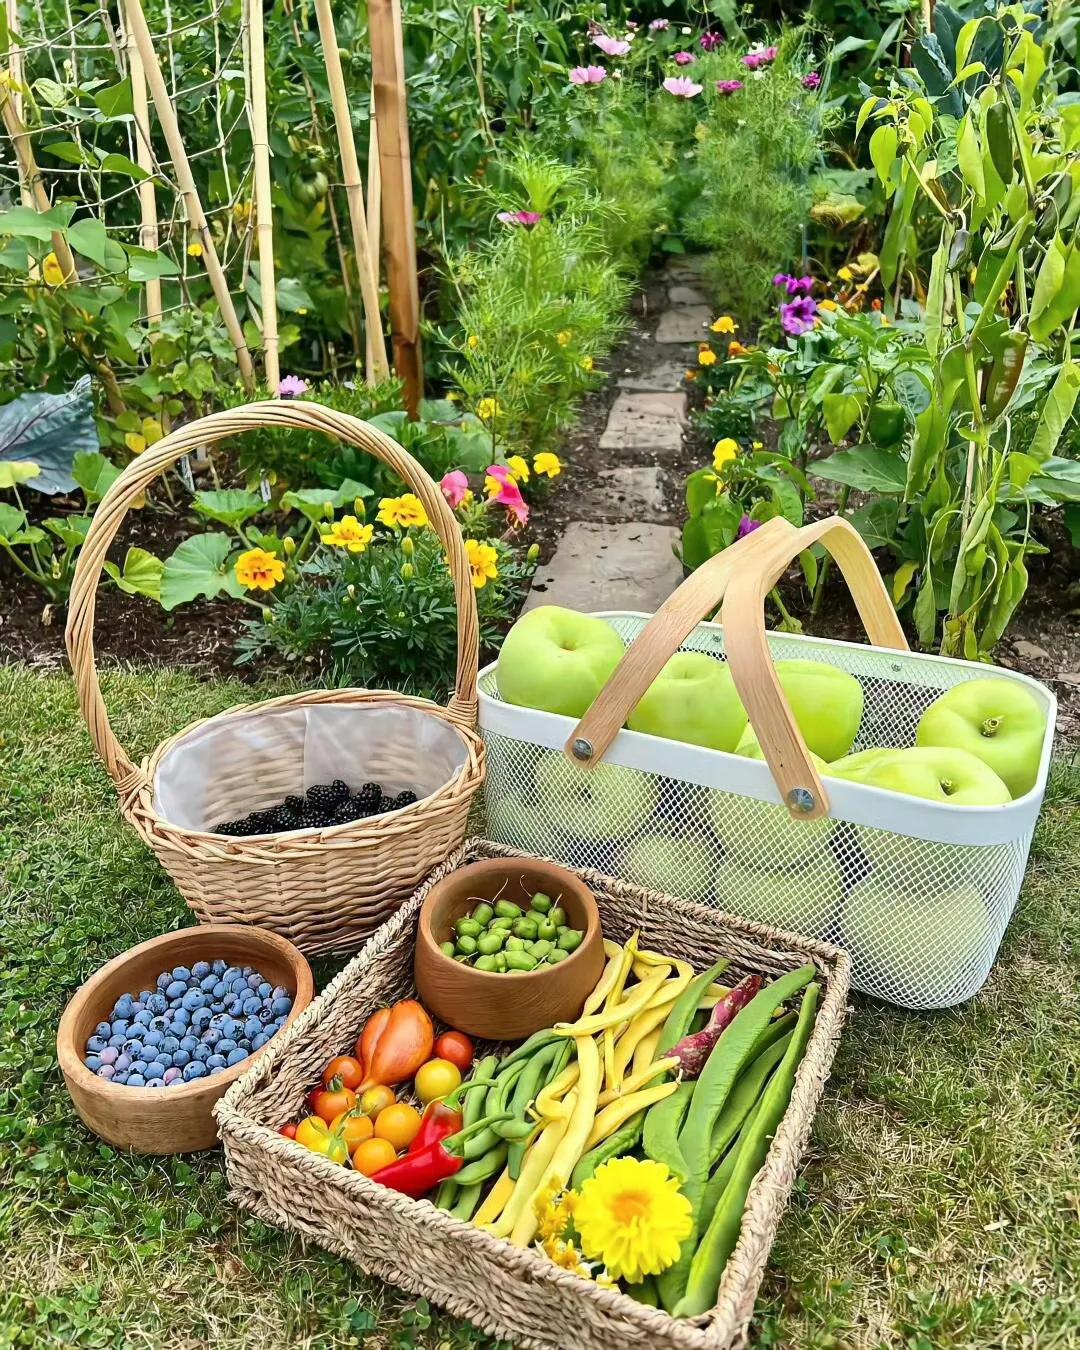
<point x="587" y="364"/>
<point x="632" y="1216"/>
<point x="259" y="570"/>
<point x="707" y="357"/>
<point x="725" y="324"/>
<point x="194" y="249"/>
<point x="547" y="464"/>
<point x="349" y="533"/>
<point x="406" y="511"/>
<point x="564" y="338"/>
<point x="488" y="409"/>
<point x="51" y="270"/>
<point x="736" y="349"/>
<point x="519" y="468"/>
<point x="472" y="342"/>
<point x="828" y="305"/>
<point x="757" y="445"/>
<point x="724" y="451"/>
<point x="483" y="562"/>
<point x="845" y="274"/>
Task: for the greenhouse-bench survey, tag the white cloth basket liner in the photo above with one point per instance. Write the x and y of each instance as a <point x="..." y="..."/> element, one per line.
<point x="919" y="892"/>
<point x="235" y="764"/>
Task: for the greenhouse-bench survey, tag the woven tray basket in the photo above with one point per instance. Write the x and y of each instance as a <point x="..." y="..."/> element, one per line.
<point x="514" y="1294"/>
<point x="325" y="889"/>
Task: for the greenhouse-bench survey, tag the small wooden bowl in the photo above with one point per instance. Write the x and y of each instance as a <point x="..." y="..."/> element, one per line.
<point x="506" y="1007"/>
<point x="172" y="1119"/>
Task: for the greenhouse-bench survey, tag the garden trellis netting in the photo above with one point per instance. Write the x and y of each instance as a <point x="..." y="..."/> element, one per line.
<point x="920" y="892"/>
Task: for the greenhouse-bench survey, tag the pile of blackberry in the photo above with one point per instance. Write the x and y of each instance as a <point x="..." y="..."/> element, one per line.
<point x="323" y="804"/>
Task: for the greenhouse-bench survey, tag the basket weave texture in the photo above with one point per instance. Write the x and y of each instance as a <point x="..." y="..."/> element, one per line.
<point x="510" y="1293"/>
<point x="324" y="890"/>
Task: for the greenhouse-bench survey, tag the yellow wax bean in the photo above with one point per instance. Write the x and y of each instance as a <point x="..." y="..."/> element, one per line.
<point x="640" y="998"/>
<point x="642" y="1026"/>
<point x="547" y="1105"/>
<point x="533" y="1172"/>
<point x="615" y="1116"/>
<point x="615" y="956"/>
<point x="495" y="1200"/>
<point x="646" y="1050"/>
<point x="638" y="1080"/>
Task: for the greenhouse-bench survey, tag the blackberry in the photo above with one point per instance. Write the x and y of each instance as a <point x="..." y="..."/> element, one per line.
<point x="320" y="797"/>
<point x="262" y="822"/>
<point x="405" y="798"/>
<point x="227" y="827"/>
<point x="344" y="812"/>
<point x="288" y="820"/>
<point x="340" y="789"/>
<point x="386" y="804"/>
<point x="312" y="820"/>
<point x="294" y="804"/>
<point x="369" y="797"/>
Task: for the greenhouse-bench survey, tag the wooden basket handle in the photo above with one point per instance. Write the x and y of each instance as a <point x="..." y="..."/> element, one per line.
<point x="141" y="472"/>
<point x="751" y="662"/>
<point x="662" y="636"/>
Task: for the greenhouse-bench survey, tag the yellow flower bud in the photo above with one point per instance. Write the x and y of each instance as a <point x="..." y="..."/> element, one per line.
<point x="351" y="589"/>
<point x="408" y="547"/>
<point x="532" y="552"/>
<point x="408" y="571"/>
<point x="267" y="614"/>
<point x="328" y="511"/>
<point x="289" y="545"/>
<point x="359" y="509"/>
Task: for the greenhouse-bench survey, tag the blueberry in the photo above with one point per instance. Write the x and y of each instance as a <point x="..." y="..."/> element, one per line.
<point x="201" y="1054"/>
<point x="158" y="1004"/>
<point x="156" y="1083"/>
<point x="251" y="1006"/>
<point x="122" y="1007"/>
<point x="123" y="1062"/>
<point x="137" y="1006"/>
<point x="200" y="968"/>
<point x="244" y="1043"/>
<point x="193" y="999"/>
<point x="133" y="1050"/>
<point x="163" y="979"/>
<point x="106" y="1071"/>
<point x="104" y="1030"/>
<point x="236" y="1056"/>
<point x="189" y="1043"/>
<point x="234" y="1006"/>
<point x="218" y="1068"/>
<point x="117" y="1042"/>
<point x="172" y="1075"/>
<point x="176" y="989"/>
<point x="264" y="990"/>
<point x="217" y="1006"/>
<point x="265" y="1015"/>
<point x="217" y="1021"/>
<point x="181" y="973"/>
<point x="119" y="1077"/>
<point x="163" y="1057"/>
<point x="177" y="1029"/>
<point x="92" y="1063"/>
<point x="145" y="995"/>
<point x="182" y="1016"/>
<point x="248" y="970"/>
<point x="120" y="1026"/>
<point x="162" y="1023"/>
<point x="153" y="1038"/>
<point x="281" y="1007"/>
<point x="219" y="990"/>
<point x="219" y="967"/>
<point x="279" y="991"/>
<point x="170" y="1043"/>
<point x="144" y="1017"/>
<point x="136" y="1080"/>
<point x="194" y="1070"/>
<point x="257" y="1042"/>
<point x="208" y="984"/>
<point x="109" y="1055"/>
<point x="136" y="1033"/>
<point x="280" y="1021"/>
<point x="96" y="1044"/>
<point x="253" y="981"/>
<point x="200" y="1019"/>
<point x="180" y="1058"/>
<point x="225" y="1046"/>
<point x="231" y="973"/>
<point x="140" y="1067"/>
<point x="215" y="1062"/>
<point x="252" y="1028"/>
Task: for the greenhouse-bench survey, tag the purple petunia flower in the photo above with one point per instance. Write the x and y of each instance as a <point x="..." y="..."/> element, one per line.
<point x="811" y="81"/>
<point x="291" y="386"/>
<point x="611" y="46"/>
<point x="682" y="87"/>
<point x="526" y="218"/>
<point x="588" y="75"/>
<point x="728" y="86"/>
<point x="710" y="41"/>
<point x="747" y="526"/>
<point x="762" y="56"/>
<point x="797" y="317"/>
<point x="685" y="58"/>
<point x="794" y="285"/>
<point x="660" y="25"/>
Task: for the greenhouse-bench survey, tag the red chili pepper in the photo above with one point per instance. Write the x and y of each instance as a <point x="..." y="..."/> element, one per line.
<point x="443" y="1117"/>
<point x="418" y="1173"/>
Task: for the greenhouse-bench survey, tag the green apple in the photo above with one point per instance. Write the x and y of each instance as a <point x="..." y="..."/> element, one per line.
<point x="750" y="748"/>
<point x="939" y="775"/>
<point x="801" y="900"/>
<point x="557" y="660"/>
<point x="995" y="719"/>
<point x="682" y="865"/>
<point x="826" y="703"/>
<point x="693" y="699"/>
<point x="518" y="824"/>
<point x="925" y="950"/>
<point x="604" y="803"/>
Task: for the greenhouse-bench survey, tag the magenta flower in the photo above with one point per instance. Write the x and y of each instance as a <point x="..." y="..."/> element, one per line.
<point x="747" y="526"/>
<point x="797" y="317"/>
<point x="611" y="46"/>
<point x="794" y="285"/>
<point x="588" y="75"/>
<point x="292" y="386"/>
<point x="681" y="87"/>
<point x="454" y="486"/>
<point x="763" y="56"/>
<point x="660" y="25"/>
<point x="710" y="41"/>
<point x="526" y="218"/>
<point x="685" y="58"/>
<point x="728" y="86"/>
<point x="509" y="494"/>
<point x="811" y="81"/>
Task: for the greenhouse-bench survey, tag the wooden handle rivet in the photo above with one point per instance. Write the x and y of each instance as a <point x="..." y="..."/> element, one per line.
<point x="582" y="748"/>
<point x="801" y="799"/>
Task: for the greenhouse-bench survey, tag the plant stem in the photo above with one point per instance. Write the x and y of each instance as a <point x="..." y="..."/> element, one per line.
<point x="774" y="596"/>
<point x="826" y="562"/>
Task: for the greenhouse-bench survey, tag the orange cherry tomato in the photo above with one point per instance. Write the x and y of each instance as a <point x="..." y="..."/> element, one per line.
<point x="437" y="1078"/>
<point x="456" y="1047"/>
<point x="374" y="1099"/>
<point x="288" y="1131"/>
<point x="345" y="1067"/>
<point x="353" y="1127"/>
<point x="398" y="1124"/>
<point x="373" y="1155"/>
<point x="332" y="1101"/>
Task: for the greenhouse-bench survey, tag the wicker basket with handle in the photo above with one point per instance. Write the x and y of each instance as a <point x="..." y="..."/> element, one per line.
<point x="323" y="889"/>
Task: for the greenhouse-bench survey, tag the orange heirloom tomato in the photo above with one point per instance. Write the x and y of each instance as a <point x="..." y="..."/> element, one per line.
<point x="437" y="1078"/>
<point x="332" y="1101"/>
<point x="288" y="1131"/>
<point x="373" y="1155"/>
<point x="374" y="1099"/>
<point x="398" y="1124"/>
<point x="456" y="1047"/>
<point x="348" y="1069"/>
<point x="353" y="1127"/>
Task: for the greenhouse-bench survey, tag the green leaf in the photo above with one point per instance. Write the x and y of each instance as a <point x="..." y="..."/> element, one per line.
<point x="925" y="612"/>
<point x="121" y="164"/>
<point x="16" y="471"/>
<point x="230" y="506"/>
<point x="12" y="521"/>
<point x="809" y="565"/>
<point x="969" y="158"/>
<point x="89" y="237"/>
<point x="292" y="295"/>
<point x="144" y="265"/>
<point x="310" y="502"/>
<point x="25" y="223"/>
<point x="883" y="151"/>
<point x="198" y="567"/>
<point x="1057" y="289"/>
<point x="142" y="574"/>
<point x="94" y="474"/>
<point x="1072" y="524"/>
<point x="1056" y="411"/>
<point x="934" y="318"/>
<point x="841" y="413"/>
<point x="116" y="100"/>
<point x="867" y="468"/>
<point x="1059" y="479"/>
<point x="902" y="579"/>
<point x="701" y="488"/>
<point x="67" y="151"/>
<point x="877" y="522"/>
<point x="70" y="530"/>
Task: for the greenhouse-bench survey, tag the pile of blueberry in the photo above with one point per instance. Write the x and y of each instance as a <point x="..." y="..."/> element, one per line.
<point x="196" y="1023"/>
<point x="323" y="805"/>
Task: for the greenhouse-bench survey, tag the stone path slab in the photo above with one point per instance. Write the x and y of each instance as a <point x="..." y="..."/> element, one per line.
<point x="685" y="323"/>
<point x="687" y="295"/>
<point x="645" y="421"/>
<point x="686" y="266"/>
<point x="598" y="567"/>
<point x="660" y="378"/>
<point x="630" y="492"/>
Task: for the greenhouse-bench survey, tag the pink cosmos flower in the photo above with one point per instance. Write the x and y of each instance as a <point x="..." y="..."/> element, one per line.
<point x="588" y="75"/>
<point x="292" y="386"/>
<point x="526" y="218"/>
<point x="454" y="486"/>
<point x="798" y="316"/>
<point x="682" y="87"/>
<point x="762" y="57"/>
<point x="685" y="58"/>
<point x="794" y="285"/>
<point x="710" y="41"/>
<point x="611" y="46"/>
<point x="660" y="25"/>
<point x="728" y="86"/>
<point x="747" y="526"/>
<point x="509" y="494"/>
<point x="811" y="81"/>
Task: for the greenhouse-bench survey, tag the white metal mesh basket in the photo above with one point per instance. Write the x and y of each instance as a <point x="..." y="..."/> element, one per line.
<point x="919" y="892"/>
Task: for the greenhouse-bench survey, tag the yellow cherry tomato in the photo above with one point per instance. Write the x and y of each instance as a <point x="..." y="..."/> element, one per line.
<point x="315" y="1134"/>
<point x="437" y="1078"/>
<point x="373" y="1155"/>
<point x="375" y="1099"/>
<point x="353" y="1128"/>
<point x="398" y="1124"/>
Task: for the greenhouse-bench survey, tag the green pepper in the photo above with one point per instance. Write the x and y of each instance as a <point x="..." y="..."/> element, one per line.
<point x="886" y="424"/>
<point x="999" y="140"/>
<point x="959" y="250"/>
<point x="1005" y="374"/>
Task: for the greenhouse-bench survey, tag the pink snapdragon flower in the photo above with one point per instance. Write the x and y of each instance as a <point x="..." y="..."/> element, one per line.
<point x="727" y="87"/>
<point x="588" y="75"/>
<point x="798" y="316"/>
<point x="526" y="218"/>
<point x="509" y="494"/>
<point x="292" y="386"/>
<point x="747" y="526"/>
<point x="710" y="41"/>
<point x="762" y="56"/>
<point x="811" y="81"/>
<point x="454" y="486"/>
<point x="794" y="285"/>
<point x="611" y="46"/>
<point x="660" y="25"/>
<point x="682" y="87"/>
<point x="685" y="58"/>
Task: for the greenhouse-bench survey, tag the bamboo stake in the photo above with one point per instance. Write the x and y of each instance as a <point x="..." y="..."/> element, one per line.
<point x="15" y="70"/>
<point x="260" y="140"/>
<point x="388" y="72"/>
<point x="31" y="182"/>
<point x="181" y="167"/>
<point x="148" y="228"/>
<point x="374" y="217"/>
<point x="354" y="190"/>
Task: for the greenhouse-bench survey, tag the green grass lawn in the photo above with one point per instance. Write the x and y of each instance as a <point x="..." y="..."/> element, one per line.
<point x="938" y="1206"/>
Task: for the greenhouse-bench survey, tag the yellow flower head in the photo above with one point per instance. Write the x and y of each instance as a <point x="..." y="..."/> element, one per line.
<point x="51" y="270"/>
<point x="259" y="570"/>
<point x="706" y="357"/>
<point x="467" y="498"/>
<point x="519" y="468"/>
<point x="846" y="274"/>
<point x="632" y="1216"/>
<point x="724" y="451"/>
<point x="194" y="249"/>
<point x="135" y="442"/>
<point x="828" y="305"/>
<point x="488" y="409"/>
<point x="406" y="511"/>
<point x="349" y="533"/>
<point x="483" y="562"/>
<point x="736" y="349"/>
<point x="725" y="324"/>
<point x="587" y="364"/>
<point x="472" y="342"/>
<point x="691" y="376"/>
<point x="564" y="338"/>
<point x="547" y="464"/>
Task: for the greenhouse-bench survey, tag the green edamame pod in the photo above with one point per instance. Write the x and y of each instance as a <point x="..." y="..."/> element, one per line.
<point x="500" y="963"/>
<point x="466" y="945"/>
<point x="489" y="943"/>
<point x="468" y="928"/>
<point x="520" y="961"/>
<point x="556" y="955"/>
<point x="621" y="1142"/>
<point x="570" y="941"/>
<point x="483" y="913"/>
<point x="506" y="909"/>
<point x="540" y="949"/>
<point x="490" y="1164"/>
<point x="486" y="963"/>
<point x="468" y="1201"/>
<point x="546" y="930"/>
<point x="524" y="928"/>
<point x="541" y="902"/>
<point x="557" y="916"/>
<point x="514" y="944"/>
<point x="744" y="1095"/>
<point x="446" y="1194"/>
<point x="503" y="924"/>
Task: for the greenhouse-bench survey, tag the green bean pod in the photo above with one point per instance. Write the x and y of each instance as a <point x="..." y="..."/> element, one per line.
<point x="482" y="1168"/>
<point x="744" y="1096"/>
<point x="468" y="1201"/>
<point x="495" y="1100"/>
<point x="472" y="1108"/>
<point x="621" y="1142"/>
<point x="529" y="1048"/>
<point x="661" y="1131"/>
<point x="446" y="1194"/>
<point x="683" y="1009"/>
<point x="550" y="1062"/>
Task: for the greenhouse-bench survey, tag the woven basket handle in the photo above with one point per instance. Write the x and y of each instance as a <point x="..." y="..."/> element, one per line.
<point x="141" y="472"/>
<point x="751" y="663"/>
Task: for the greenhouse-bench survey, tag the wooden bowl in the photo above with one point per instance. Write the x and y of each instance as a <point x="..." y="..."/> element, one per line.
<point x="172" y="1119"/>
<point x="506" y="1007"/>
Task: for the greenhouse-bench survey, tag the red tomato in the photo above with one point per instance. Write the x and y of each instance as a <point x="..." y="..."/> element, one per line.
<point x="456" y="1047"/>
<point x="345" y="1067"/>
<point x="332" y="1102"/>
<point x="289" y="1131"/>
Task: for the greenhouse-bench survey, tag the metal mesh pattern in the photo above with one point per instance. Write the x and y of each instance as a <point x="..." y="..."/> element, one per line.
<point x="922" y="920"/>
